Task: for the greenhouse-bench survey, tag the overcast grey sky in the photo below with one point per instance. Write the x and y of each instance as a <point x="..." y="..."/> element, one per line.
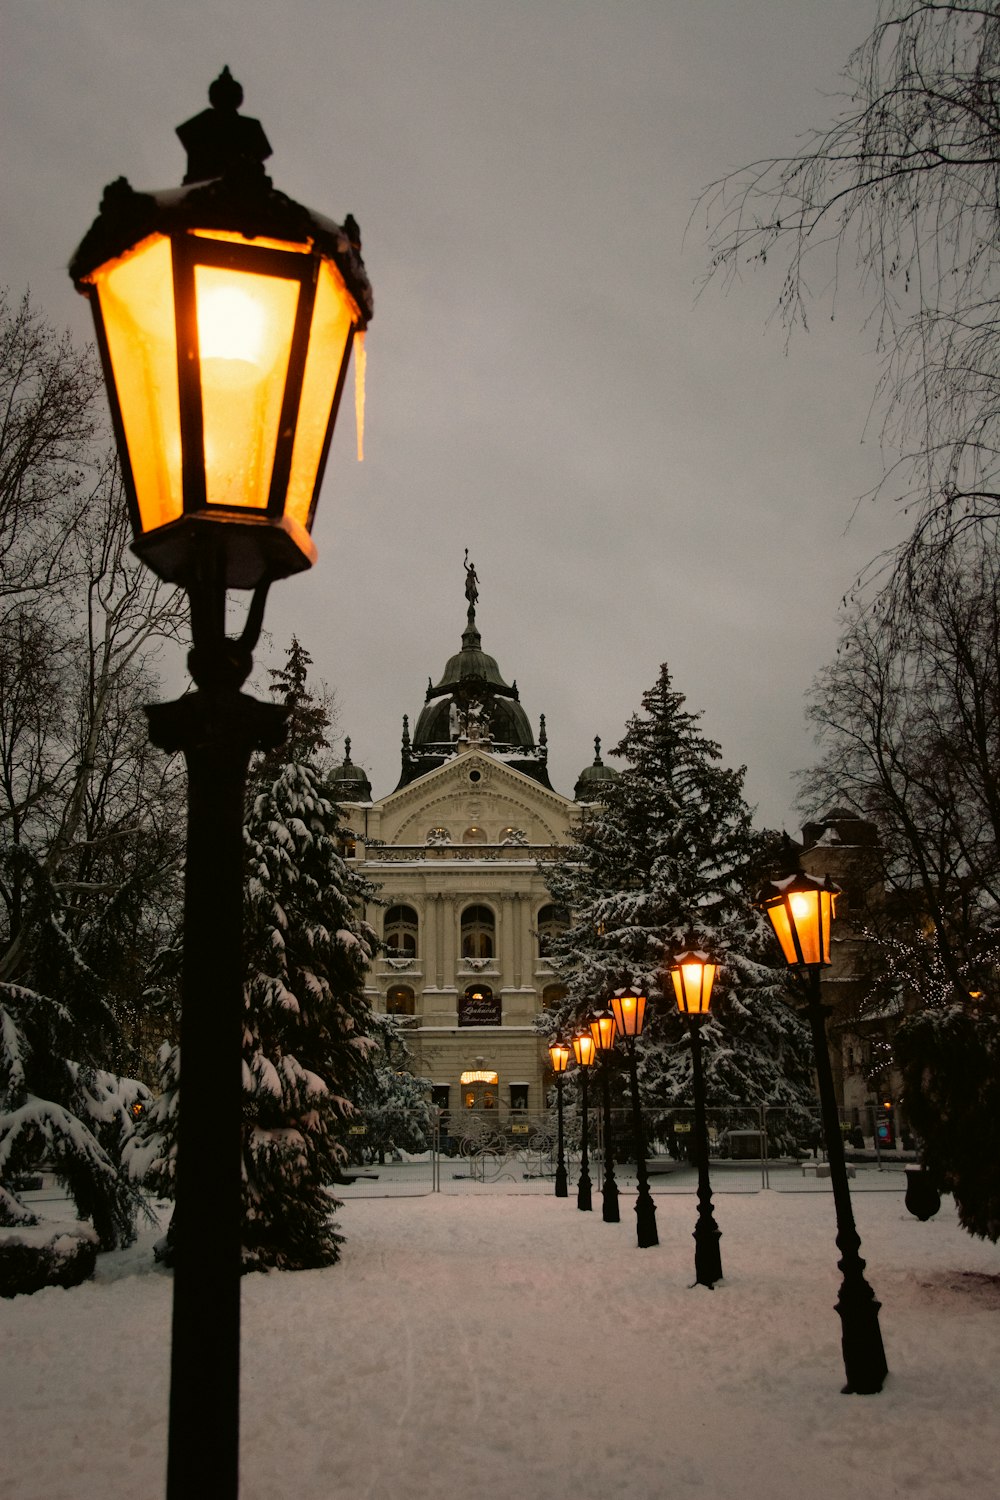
<point x="639" y="476"/>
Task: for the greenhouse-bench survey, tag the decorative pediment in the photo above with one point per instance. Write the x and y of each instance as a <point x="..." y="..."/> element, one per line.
<point x="475" y="790"/>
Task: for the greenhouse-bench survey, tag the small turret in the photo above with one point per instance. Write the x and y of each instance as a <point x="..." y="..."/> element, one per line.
<point x="348" y="782"/>
<point x="594" y="778"/>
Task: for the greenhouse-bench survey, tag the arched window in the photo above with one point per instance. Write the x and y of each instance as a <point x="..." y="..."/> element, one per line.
<point x="400" y="1000"/>
<point x="400" y="932"/>
<point x="551" y="921"/>
<point x="478" y="932"/>
<point x="474" y="835"/>
<point x="552" y="995"/>
<point x="479" y="1007"/>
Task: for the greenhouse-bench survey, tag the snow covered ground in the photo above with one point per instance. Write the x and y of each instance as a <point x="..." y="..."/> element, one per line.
<point x="510" y="1345"/>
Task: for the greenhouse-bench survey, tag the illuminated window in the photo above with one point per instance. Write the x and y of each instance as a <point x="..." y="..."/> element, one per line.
<point x="478" y="932"/>
<point x="400" y="1000"/>
<point x="400" y="931"/>
<point x="474" y="835"/>
<point x="479" y="1007"/>
<point x="479" y="1090"/>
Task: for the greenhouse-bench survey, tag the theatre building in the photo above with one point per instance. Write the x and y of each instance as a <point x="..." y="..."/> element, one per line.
<point x="455" y="850"/>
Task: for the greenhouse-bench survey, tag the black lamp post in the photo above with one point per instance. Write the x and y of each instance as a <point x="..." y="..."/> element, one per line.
<point x="801" y="909"/>
<point x="225" y="316"/>
<point x="603" y="1030"/>
<point x="693" y="975"/>
<point x="583" y="1051"/>
<point x="629" y="1010"/>
<point x="560" y="1053"/>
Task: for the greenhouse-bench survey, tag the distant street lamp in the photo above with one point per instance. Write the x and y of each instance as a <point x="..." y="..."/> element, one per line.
<point x="801" y="909"/>
<point x="225" y="316"/>
<point x="693" y="975"/>
<point x="560" y="1053"/>
<point x="583" y="1051"/>
<point x="604" y="1032"/>
<point x="629" y="1010"/>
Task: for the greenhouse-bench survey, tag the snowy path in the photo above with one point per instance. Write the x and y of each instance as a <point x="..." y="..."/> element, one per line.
<point x="514" y="1345"/>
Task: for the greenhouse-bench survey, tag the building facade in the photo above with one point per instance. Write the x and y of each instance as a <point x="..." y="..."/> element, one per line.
<point x="457" y="850"/>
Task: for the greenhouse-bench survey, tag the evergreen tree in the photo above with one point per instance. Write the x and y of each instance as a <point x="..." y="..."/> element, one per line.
<point x="311" y="714"/>
<point x="58" y="1106"/>
<point x="310" y="1037"/>
<point x="669" y="858"/>
<point x="949" y="1055"/>
<point x="310" y="1031"/>
<point x="397" y="1111"/>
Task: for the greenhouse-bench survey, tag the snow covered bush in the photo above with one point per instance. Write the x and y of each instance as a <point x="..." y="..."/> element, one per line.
<point x="67" y="1115"/>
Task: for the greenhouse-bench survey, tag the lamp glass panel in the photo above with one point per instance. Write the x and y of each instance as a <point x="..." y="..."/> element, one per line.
<point x="334" y="316"/>
<point x="560" y="1054"/>
<point x="245" y="326"/>
<point x="693" y="987"/>
<point x="603" y="1030"/>
<point x="136" y="295"/>
<point x="629" y="1012"/>
<point x="777" y="911"/>
<point x="583" y="1049"/>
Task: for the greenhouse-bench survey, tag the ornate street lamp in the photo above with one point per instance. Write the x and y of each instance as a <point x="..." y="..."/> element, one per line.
<point x="225" y="316"/>
<point x="629" y="1010"/>
<point x="560" y="1053"/>
<point x="801" y="909"/>
<point x="604" y="1032"/>
<point x="693" y="975"/>
<point x="584" y="1052"/>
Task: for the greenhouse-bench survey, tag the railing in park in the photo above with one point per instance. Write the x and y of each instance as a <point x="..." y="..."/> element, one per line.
<point x="473" y="1152"/>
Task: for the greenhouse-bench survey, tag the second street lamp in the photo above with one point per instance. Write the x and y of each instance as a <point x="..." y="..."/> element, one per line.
<point x="629" y="1010"/>
<point x="801" y="909"/>
<point x="693" y="975"/>
<point x="225" y="315"/>
<point x="605" y="1034"/>
<point x="560" y="1053"/>
<point x="583" y="1051"/>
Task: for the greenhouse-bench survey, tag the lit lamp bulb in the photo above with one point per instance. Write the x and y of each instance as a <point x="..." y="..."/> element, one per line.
<point x="231" y="327"/>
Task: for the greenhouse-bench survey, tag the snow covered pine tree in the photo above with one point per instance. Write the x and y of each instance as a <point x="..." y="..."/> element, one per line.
<point x="310" y="1036"/>
<point x="669" y="855"/>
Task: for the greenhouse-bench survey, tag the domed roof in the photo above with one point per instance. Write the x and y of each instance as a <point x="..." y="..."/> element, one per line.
<point x="348" y="783"/>
<point x="472" y="704"/>
<point x="594" y="778"/>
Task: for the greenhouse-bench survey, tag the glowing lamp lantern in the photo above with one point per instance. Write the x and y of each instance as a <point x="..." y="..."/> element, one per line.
<point x="583" y="1049"/>
<point x="693" y="975"/>
<point x="560" y="1053"/>
<point x="225" y="316"/>
<point x="629" y="1010"/>
<point x="603" y="1030"/>
<point x="801" y="909"/>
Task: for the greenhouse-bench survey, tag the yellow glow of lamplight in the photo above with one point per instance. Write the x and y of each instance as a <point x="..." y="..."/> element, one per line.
<point x="231" y="325"/>
<point x="584" y="1049"/>
<point x="693" y="980"/>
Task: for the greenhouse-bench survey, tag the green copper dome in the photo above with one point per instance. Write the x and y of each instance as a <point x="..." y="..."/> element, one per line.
<point x="472" y="704"/>
<point x="595" y="778"/>
<point x="348" y="783"/>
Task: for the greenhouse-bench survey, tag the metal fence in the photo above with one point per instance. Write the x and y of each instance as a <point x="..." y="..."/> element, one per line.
<point x="484" y="1151"/>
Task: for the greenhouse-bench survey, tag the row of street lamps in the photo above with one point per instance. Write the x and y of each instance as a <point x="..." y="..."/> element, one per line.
<point x="800" y="908"/>
<point x="225" y="315"/>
